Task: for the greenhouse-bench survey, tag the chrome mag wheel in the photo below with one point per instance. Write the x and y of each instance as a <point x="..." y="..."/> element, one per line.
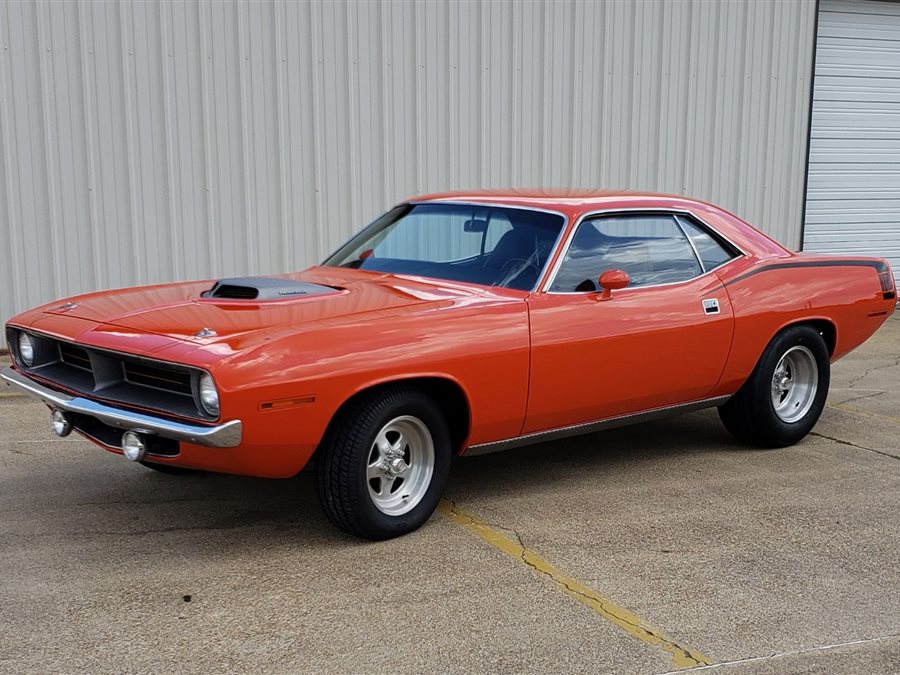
<point x="794" y="384"/>
<point x="400" y="465"/>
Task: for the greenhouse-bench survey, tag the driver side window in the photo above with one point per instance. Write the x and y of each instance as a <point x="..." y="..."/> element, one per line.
<point x="651" y="249"/>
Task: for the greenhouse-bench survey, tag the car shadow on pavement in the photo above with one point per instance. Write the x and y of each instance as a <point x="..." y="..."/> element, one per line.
<point x="95" y="496"/>
<point x="606" y="455"/>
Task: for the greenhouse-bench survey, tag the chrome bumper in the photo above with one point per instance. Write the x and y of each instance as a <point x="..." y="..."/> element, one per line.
<point x="226" y="435"/>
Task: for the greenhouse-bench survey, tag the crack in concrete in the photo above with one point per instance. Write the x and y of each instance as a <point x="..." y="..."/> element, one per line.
<point x="19" y="452"/>
<point x="792" y="652"/>
<point x="853" y="445"/>
<point x="865" y="374"/>
<point x="864" y="396"/>
<point x="682" y="657"/>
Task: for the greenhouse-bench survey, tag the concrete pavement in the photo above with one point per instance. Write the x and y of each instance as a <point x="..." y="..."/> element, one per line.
<point x="761" y="561"/>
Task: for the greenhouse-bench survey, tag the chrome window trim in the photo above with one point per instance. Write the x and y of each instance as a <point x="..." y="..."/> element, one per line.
<point x="690" y="242"/>
<point x="545" y="288"/>
<point x="679" y="216"/>
<point x="456" y="202"/>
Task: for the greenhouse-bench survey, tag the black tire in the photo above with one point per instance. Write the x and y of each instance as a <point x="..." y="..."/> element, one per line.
<point x="169" y="469"/>
<point x="750" y="415"/>
<point x="349" y="447"/>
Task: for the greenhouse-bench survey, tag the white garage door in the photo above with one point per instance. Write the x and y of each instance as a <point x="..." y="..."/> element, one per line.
<point x="853" y="196"/>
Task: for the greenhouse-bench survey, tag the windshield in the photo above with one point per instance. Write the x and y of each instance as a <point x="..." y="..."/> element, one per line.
<point x="488" y="245"/>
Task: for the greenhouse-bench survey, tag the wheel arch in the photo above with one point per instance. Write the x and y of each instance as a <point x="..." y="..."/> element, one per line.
<point x="446" y="391"/>
<point x="825" y="327"/>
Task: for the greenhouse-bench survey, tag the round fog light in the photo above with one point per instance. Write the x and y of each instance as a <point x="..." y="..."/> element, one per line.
<point x="60" y="423"/>
<point x="133" y="446"/>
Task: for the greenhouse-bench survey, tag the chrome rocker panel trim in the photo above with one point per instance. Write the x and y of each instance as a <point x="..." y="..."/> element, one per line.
<point x="226" y="435"/>
<point x="591" y="427"/>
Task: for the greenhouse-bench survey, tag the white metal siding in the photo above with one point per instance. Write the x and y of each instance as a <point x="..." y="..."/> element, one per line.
<point x="149" y="141"/>
<point x="853" y="203"/>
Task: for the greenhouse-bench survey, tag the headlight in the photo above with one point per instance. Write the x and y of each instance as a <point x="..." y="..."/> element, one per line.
<point x="26" y="349"/>
<point x="209" y="395"/>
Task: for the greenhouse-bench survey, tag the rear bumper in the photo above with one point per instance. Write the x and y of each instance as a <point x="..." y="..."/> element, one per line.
<point x="227" y="435"/>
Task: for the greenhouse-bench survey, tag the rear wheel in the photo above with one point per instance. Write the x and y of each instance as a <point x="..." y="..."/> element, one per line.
<point x="784" y="396"/>
<point x="384" y="463"/>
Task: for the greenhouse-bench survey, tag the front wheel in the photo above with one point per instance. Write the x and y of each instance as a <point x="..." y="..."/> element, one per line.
<point x="782" y="399"/>
<point x="384" y="463"/>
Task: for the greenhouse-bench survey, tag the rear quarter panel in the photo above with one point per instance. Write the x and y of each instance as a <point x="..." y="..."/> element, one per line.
<point x="770" y="295"/>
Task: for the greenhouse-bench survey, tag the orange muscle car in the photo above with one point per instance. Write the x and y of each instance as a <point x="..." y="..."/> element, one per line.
<point x="455" y="324"/>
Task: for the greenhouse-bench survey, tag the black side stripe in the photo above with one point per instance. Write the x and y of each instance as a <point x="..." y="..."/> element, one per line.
<point x="876" y="264"/>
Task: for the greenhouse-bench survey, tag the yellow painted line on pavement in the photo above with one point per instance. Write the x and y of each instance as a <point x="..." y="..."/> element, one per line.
<point x="10" y="394"/>
<point x="865" y="413"/>
<point x="631" y="623"/>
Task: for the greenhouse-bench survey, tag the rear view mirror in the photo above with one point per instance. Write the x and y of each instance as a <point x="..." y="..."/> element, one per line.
<point x="475" y="225"/>
<point x="612" y="280"/>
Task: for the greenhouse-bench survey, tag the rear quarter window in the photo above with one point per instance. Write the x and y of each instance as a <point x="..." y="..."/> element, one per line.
<point x="711" y="251"/>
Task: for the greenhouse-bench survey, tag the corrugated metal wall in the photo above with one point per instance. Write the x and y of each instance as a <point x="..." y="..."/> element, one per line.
<point x="853" y="202"/>
<point x="150" y="141"/>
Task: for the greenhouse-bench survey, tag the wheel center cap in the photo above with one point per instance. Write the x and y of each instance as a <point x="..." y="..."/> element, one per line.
<point x="397" y="466"/>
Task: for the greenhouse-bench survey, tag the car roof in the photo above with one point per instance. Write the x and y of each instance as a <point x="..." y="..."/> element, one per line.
<point x="573" y="203"/>
<point x="557" y="198"/>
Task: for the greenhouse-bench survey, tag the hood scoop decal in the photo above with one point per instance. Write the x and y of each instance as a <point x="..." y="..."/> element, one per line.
<point x="263" y="288"/>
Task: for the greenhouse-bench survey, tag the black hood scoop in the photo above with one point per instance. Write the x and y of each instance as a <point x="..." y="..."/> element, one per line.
<point x="263" y="288"/>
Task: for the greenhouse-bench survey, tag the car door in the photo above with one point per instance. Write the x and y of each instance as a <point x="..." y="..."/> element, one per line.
<point x="661" y="341"/>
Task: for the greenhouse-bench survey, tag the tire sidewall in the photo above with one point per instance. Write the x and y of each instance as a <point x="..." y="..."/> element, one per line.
<point x="380" y="524"/>
<point x="779" y="431"/>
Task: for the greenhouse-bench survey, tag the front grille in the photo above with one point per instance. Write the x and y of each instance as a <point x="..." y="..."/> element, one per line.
<point x="133" y="381"/>
<point x="158" y="377"/>
<point x="74" y="356"/>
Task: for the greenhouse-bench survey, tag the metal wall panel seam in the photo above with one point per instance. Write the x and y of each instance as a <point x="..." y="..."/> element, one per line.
<point x="546" y="145"/>
<point x="223" y="152"/>
<point x="419" y="86"/>
<point x="283" y="149"/>
<point x="717" y="103"/>
<point x="99" y="268"/>
<point x="735" y="187"/>
<point x="54" y="211"/>
<point x="575" y="120"/>
<point x="483" y="88"/>
<point x="353" y="78"/>
<point x="315" y="27"/>
<point x="205" y="58"/>
<point x="177" y="245"/>
<point x="251" y="260"/>
<point x="13" y="222"/>
<point x="137" y="250"/>
<point x="606" y="53"/>
<point x="659" y="109"/>
<point x="383" y="88"/>
<point x="762" y="196"/>
<point x="515" y="89"/>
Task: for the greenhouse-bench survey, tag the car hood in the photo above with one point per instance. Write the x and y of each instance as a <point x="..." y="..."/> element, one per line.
<point x="179" y="312"/>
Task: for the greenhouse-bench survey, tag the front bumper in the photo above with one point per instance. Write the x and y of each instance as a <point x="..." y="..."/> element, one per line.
<point x="227" y="435"/>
